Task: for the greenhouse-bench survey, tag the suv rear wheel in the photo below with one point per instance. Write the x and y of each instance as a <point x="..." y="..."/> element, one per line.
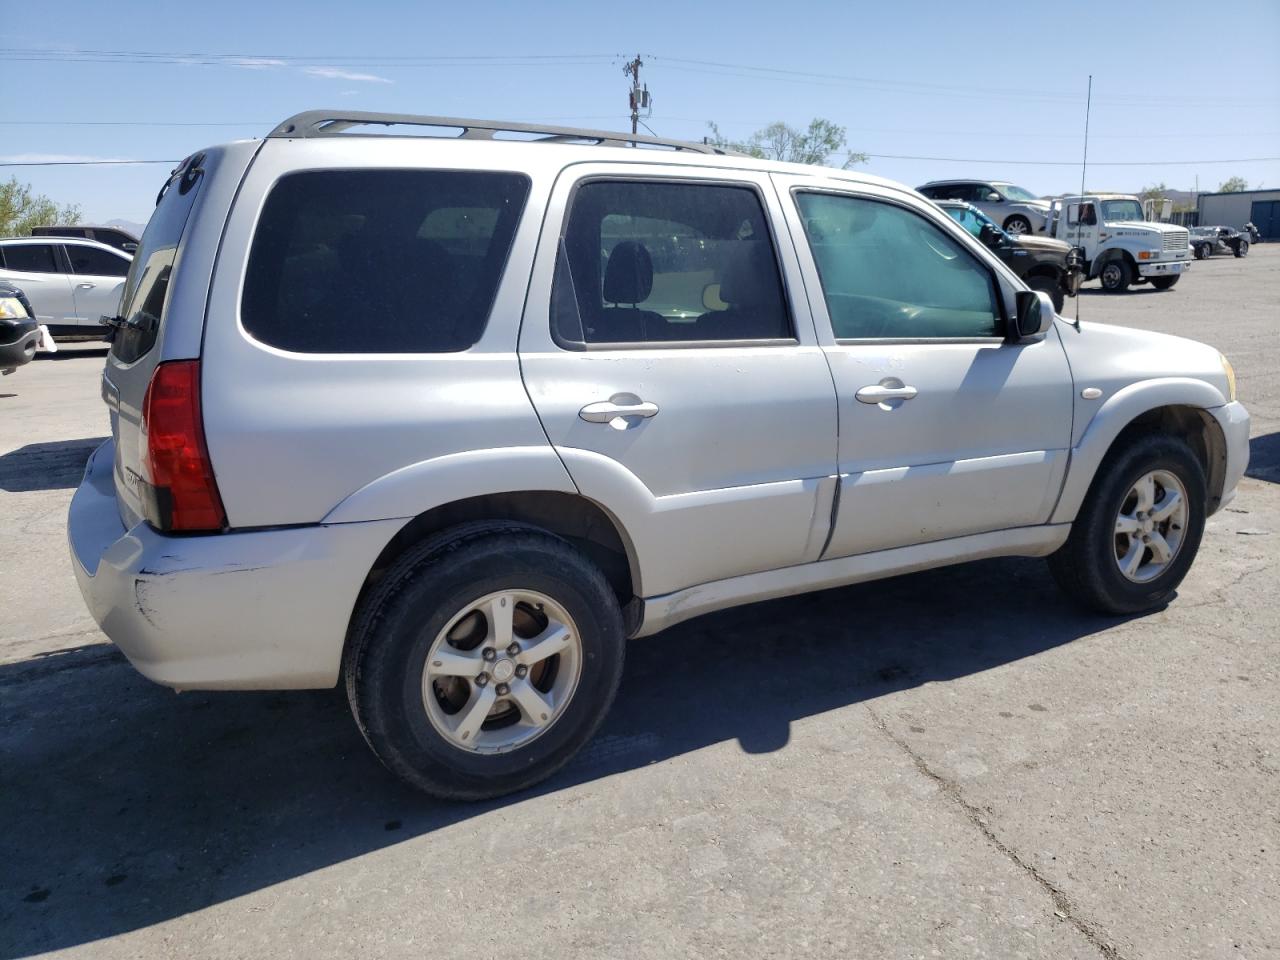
<point x="1139" y="529"/>
<point x="484" y="660"/>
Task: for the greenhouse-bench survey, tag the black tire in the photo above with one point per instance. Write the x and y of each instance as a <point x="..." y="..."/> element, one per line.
<point x="1017" y="224"/>
<point x="1203" y="250"/>
<point x="1164" y="283"/>
<point x="1116" y="276"/>
<point x="1085" y="566"/>
<point x="1241" y="248"/>
<point x="398" y="622"/>
<point x="1052" y="287"/>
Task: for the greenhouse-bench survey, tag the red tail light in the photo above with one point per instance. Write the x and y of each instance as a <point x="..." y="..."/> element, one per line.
<point x="180" y="491"/>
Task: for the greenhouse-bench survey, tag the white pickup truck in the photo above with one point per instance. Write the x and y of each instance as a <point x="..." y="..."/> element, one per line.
<point x="1121" y="248"/>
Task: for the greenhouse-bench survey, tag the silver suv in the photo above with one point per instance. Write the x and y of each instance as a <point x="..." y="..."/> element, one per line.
<point x="449" y="415"/>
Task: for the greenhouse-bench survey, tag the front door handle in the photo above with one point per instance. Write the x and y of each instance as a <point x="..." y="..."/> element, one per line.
<point x="876" y="393"/>
<point x="617" y="407"/>
<point x="85" y="286"/>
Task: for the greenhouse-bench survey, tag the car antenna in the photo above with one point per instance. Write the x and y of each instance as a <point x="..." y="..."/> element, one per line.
<point x="1084" y="165"/>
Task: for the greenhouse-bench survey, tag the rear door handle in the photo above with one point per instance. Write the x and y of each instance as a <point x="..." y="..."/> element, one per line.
<point x="85" y="286"/>
<point x="607" y="411"/>
<point x="879" y="394"/>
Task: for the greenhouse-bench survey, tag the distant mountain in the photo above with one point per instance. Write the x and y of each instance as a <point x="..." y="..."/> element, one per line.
<point x="133" y="227"/>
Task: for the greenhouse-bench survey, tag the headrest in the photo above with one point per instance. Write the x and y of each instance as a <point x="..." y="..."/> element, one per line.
<point x="750" y="276"/>
<point x="628" y="276"/>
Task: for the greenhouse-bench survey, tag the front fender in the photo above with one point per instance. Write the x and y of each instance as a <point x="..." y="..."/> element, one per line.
<point x="419" y="487"/>
<point x="1120" y="410"/>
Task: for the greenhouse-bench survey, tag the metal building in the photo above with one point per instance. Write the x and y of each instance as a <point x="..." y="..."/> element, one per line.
<point x="1260" y="207"/>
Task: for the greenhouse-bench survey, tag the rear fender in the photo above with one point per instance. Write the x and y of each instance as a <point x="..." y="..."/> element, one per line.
<point x="422" y="486"/>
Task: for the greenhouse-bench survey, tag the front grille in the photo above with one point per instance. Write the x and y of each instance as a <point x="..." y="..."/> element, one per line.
<point x="1175" y="240"/>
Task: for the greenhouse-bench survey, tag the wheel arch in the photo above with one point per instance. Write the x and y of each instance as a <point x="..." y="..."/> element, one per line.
<point x="1178" y="407"/>
<point x="1110" y="256"/>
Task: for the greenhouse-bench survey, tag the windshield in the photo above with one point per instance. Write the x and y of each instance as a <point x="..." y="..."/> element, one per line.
<point x="1012" y="192"/>
<point x="1113" y="210"/>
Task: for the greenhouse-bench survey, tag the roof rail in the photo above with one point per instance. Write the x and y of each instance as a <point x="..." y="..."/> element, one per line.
<point x="328" y="123"/>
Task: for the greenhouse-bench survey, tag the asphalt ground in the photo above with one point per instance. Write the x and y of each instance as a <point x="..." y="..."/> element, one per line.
<point x="954" y="763"/>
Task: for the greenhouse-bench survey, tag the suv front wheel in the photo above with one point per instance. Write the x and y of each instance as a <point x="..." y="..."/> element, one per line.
<point x="484" y="660"/>
<point x="1139" y="529"/>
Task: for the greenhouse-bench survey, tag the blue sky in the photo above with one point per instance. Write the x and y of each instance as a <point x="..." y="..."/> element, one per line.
<point x="996" y="82"/>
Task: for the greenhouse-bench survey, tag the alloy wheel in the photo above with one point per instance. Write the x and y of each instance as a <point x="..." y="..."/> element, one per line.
<point x="502" y="671"/>
<point x="1150" y="526"/>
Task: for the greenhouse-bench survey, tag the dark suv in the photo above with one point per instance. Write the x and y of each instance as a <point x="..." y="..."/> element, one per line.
<point x="1040" y="262"/>
<point x="111" y="236"/>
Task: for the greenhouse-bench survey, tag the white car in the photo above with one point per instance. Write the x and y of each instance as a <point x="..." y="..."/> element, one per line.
<point x="449" y="418"/>
<point x="72" y="284"/>
<point x="1015" y="208"/>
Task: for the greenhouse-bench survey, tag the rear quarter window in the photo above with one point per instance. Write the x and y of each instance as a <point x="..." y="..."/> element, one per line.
<point x="380" y="261"/>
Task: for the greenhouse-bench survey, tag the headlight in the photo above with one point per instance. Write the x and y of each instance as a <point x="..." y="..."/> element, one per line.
<point x="12" y="308"/>
<point x="1148" y="254"/>
<point x="1231" y="378"/>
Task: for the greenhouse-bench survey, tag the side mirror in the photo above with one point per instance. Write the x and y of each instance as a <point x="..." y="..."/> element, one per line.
<point x="989" y="235"/>
<point x="1035" y="314"/>
<point x="993" y="197"/>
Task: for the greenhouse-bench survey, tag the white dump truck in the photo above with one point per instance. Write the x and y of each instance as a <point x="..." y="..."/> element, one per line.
<point x="1120" y="246"/>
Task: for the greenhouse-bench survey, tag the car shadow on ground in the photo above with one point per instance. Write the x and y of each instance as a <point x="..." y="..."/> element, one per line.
<point x="124" y="805"/>
<point x="58" y="465"/>
<point x="1264" y="458"/>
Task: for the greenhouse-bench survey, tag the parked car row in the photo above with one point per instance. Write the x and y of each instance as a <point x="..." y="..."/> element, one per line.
<point x="448" y="419"/>
<point x="1206" y="241"/>
<point x="72" y="284"/>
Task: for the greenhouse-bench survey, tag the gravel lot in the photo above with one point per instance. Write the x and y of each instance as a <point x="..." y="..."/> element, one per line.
<point x="955" y="763"/>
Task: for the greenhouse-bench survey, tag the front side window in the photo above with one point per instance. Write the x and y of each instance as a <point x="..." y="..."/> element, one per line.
<point x="655" y="262"/>
<point x="888" y="273"/>
<point x="30" y="258"/>
<point x="95" y="262"/>
<point x="380" y="261"/>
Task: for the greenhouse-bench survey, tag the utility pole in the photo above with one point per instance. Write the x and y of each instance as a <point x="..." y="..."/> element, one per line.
<point x="639" y="96"/>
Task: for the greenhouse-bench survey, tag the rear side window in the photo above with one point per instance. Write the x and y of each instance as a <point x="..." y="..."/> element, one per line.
<point x="30" y="258"/>
<point x="655" y="262"/>
<point x="91" y="260"/>
<point x="380" y="261"/>
<point x="142" y="303"/>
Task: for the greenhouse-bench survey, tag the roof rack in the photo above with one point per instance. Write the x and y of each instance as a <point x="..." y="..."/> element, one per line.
<point x="329" y="123"/>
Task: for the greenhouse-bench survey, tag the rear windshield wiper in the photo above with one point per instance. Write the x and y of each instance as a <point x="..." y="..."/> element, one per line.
<point x="140" y="321"/>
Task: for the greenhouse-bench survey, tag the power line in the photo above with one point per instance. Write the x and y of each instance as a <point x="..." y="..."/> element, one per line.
<point x="706" y="67"/>
<point x="78" y="163"/>
<point x="1073" y="163"/>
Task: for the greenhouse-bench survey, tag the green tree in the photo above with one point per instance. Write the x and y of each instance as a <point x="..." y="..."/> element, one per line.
<point x="21" y="209"/>
<point x="1234" y="185"/>
<point x="1154" y="192"/>
<point x="778" y="141"/>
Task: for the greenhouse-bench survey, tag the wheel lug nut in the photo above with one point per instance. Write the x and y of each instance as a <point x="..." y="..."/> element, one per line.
<point x="513" y="649"/>
<point x="503" y="690"/>
<point x="482" y="680"/>
<point x="488" y="653"/>
<point x="522" y="671"/>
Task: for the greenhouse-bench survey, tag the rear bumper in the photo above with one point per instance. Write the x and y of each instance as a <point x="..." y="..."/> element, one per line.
<point x="1233" y="418"/>
<point x="258" y="610"/>
<point x="1163" y="268"/>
